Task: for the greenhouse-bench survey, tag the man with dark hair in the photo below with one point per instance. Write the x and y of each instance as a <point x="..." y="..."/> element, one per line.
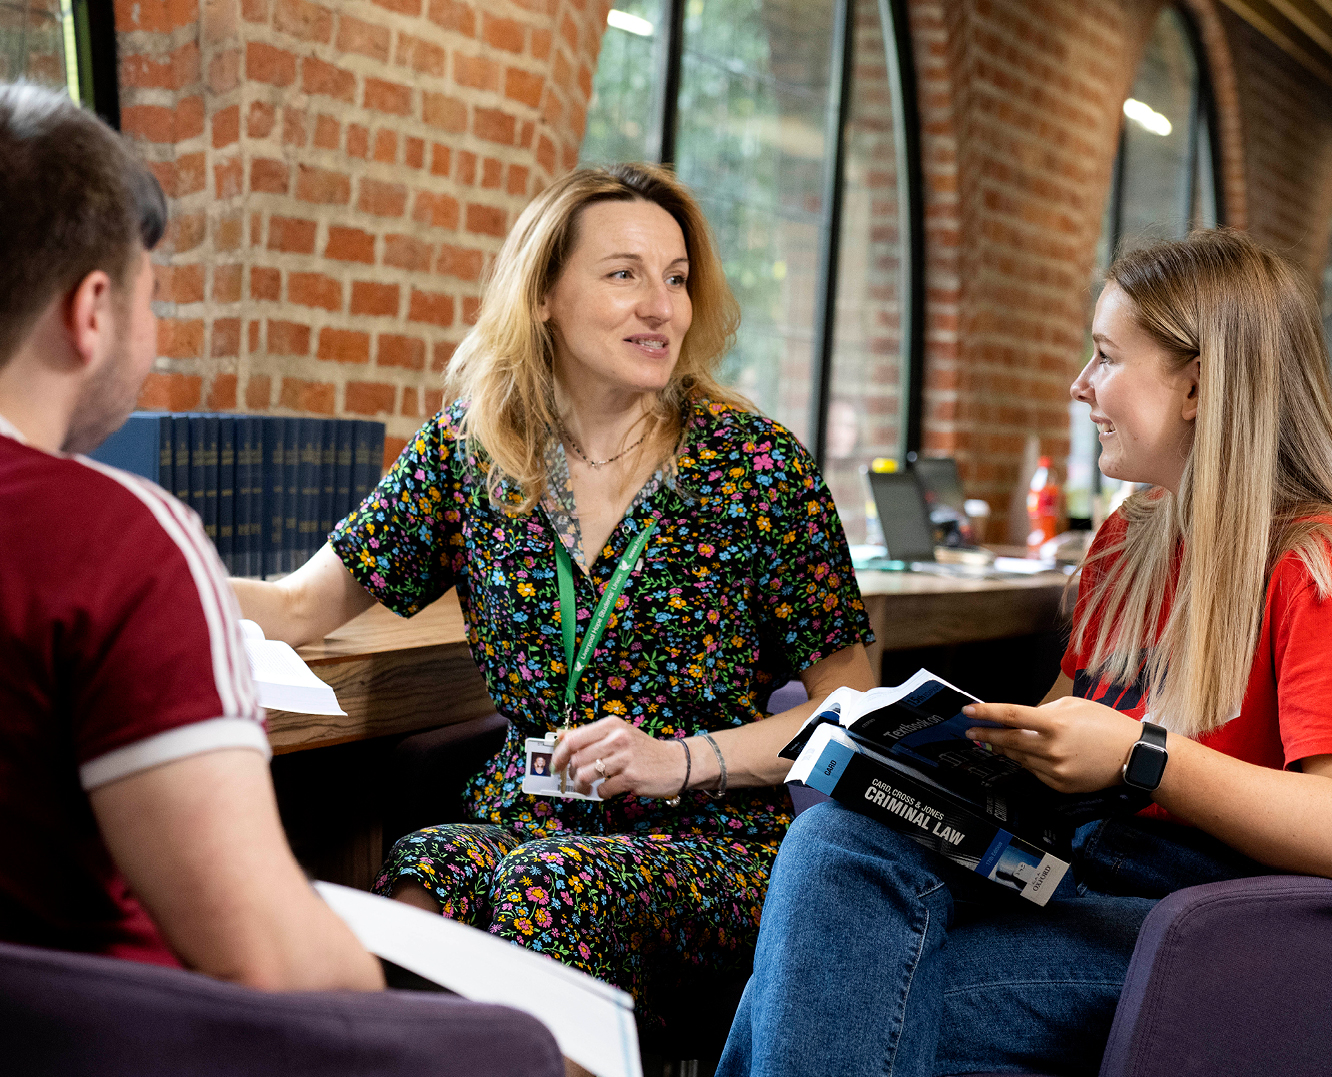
<point x="137" y="817"/>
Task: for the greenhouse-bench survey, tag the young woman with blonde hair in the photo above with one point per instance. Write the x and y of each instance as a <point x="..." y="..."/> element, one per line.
<point x="590" y="458"/>
<point x="1201" y="628"/>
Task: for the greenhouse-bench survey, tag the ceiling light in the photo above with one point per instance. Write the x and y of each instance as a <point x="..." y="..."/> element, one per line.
<point x="1147" y="117"/>
<point x="622" y="20"/>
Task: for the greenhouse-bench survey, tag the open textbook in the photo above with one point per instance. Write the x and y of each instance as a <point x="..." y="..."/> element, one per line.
<point x="901" y="755"/>
<point x="592" y="1022"/>
<point x="283" y="680"/>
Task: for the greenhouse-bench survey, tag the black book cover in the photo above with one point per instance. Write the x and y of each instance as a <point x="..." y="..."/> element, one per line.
<point x="925" y="730"/>
<point x="226" y="491"/>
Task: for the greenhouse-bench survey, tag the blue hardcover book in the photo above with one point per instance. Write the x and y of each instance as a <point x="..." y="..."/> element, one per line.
<point x="273" y="484"/>
<point x="247" y="427"/>
<point x="211" y="452"/>
<point x="291" y="498"/>
<point x="180" y="457"/>
<point x="311" y="451"/>
<point x="198" y="468"/>
<point x="361" y="482"/>
<point x="140" y="446"/>
<point x="240" y="542"/>
<point x="226" y="491"/>
<point x="342" y="491"/>
<point x="328" y="479"/>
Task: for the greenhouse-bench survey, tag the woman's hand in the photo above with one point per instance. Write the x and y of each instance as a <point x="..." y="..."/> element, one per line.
<point x="634" y="762"/>
<point x="1073" y="745"/>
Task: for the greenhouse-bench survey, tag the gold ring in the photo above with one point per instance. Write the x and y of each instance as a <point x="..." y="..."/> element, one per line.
<point x="600" y="767"/>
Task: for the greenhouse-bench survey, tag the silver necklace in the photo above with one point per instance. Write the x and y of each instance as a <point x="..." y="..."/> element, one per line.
<point x="599" y="463"/>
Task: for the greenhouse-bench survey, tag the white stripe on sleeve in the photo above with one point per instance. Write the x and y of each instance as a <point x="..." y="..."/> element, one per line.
<point x="179" y="743"/>
<point x="231" y="671"/>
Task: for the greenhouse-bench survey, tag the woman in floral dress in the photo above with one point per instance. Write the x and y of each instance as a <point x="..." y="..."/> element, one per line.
<point x="586" y="413"/>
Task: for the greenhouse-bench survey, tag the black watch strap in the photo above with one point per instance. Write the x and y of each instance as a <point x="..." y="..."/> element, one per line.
<point x="1147" y="758"/>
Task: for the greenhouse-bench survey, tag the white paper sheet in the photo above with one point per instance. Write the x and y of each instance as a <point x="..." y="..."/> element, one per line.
<point x="592" y="1022"/>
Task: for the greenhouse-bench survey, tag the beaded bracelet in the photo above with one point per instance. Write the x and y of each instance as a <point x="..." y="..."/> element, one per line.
<point x="689" y="766"/>
<point x="721" y="763"/>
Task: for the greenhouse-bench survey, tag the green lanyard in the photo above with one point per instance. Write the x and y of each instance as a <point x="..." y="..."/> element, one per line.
<point x="569" y="609"/>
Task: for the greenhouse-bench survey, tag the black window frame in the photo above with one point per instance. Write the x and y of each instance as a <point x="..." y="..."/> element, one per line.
<point x="901" y="68"/>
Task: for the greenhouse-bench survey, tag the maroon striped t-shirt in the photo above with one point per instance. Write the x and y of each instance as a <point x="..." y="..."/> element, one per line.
<point x="121" y="651"/>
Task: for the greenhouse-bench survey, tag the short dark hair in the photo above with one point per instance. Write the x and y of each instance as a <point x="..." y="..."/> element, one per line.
<point x="73" y="199"/>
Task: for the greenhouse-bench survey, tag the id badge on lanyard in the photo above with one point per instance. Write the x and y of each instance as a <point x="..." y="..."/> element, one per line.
<point x="576" y="663"/>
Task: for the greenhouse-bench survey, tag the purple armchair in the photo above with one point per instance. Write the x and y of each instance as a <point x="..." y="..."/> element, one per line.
<point x="1227" y="980"/>
<point x="79" y="1015"/>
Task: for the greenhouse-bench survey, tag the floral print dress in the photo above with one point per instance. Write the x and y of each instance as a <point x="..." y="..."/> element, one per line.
<point x="745" y="581"/>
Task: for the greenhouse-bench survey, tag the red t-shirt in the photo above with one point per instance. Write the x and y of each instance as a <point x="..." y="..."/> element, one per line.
<point x="1285" y="716"/>
<point x="122" y="651"/>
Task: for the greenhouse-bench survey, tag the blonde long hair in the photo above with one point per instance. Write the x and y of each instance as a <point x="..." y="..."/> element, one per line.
<point x="1259" y="466"/>
<point x="504" y="366"/>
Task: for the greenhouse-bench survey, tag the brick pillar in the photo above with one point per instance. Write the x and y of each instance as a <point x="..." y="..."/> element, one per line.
<point x="340" y="176"/>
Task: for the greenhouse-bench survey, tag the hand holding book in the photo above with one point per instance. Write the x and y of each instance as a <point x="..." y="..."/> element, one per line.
<point x="1073" y="745"/>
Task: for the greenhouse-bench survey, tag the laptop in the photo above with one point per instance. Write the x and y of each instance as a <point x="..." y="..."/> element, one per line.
<point x="903" y="515"/>
<point x="940" y="482"/>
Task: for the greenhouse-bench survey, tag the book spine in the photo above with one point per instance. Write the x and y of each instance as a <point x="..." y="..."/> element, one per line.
<point x="311" y="449"/>
<point x="226" y="492"/>
<point x="241" y="539"/>
<point x="255" y="556"/>
<point x="328" y="478"/>
<point x="291" y="499"/>
<point x="166" y="477"/>
<point x="940" y="822"/>
<point x="361" y="483"/>
<point x="180" y="457"/>
<point x="342" y="493"/>
<point x="211" y="452"/>
<point x="274" y="485"/>
<point x="198" y="469"/>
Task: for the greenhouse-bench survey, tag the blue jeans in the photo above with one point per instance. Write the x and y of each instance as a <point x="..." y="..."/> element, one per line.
<point x="878" y="957"/>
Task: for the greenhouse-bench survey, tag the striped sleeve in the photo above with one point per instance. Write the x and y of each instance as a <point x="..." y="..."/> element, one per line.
<point x="163" y="669"/>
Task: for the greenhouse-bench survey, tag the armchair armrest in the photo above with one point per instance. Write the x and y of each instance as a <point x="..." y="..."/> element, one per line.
<point x="1231" y="978"/>
<point x="82" y="1015"/>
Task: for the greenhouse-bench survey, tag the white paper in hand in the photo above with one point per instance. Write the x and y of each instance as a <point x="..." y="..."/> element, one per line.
<point x="282" y="678"/>
<point x="592" y="1022"/>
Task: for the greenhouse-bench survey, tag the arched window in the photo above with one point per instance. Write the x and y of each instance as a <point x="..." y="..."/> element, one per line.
<point x="62" y="43"/>
<point x="791" y="124"/>
<point x="1165" y="183"/>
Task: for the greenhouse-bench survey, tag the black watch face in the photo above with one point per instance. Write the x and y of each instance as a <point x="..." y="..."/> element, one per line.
<point x="1146" y="765"/>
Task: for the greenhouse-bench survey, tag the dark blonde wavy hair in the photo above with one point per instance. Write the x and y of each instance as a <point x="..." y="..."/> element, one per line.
<point x="504" y="368"/>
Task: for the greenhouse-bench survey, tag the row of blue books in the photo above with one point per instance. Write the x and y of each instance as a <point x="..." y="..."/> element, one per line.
<point x="268" y="489"/>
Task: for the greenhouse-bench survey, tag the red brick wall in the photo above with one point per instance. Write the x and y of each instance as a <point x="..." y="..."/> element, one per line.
<point x="1286" y="115"/>
<point x="339" y="175"/>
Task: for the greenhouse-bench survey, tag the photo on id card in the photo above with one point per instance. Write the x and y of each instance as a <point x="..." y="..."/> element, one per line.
<point x="539" y="780"/>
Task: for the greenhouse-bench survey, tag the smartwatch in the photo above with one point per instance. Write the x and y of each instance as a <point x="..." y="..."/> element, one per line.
<point x="1147" y="759"/>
